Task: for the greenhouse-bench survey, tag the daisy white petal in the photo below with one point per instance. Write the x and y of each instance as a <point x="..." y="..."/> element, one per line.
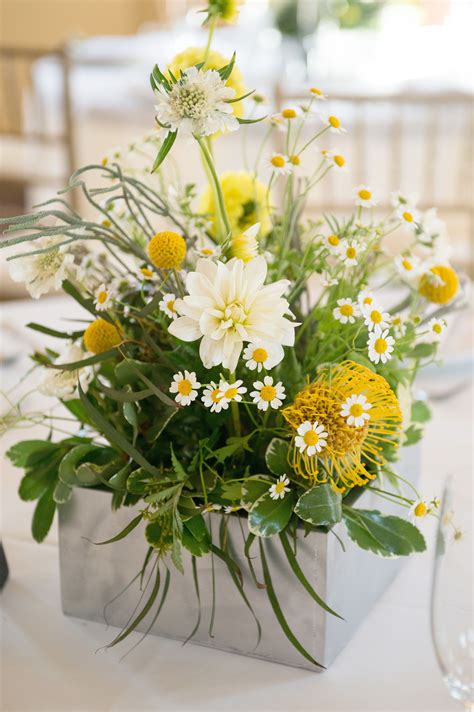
<point x="346" y="311"/>
<point x="364" y="197"/>
<point x="185" y="386"/>
<point x="380" y="346"/>
<point x="280" y="488"/>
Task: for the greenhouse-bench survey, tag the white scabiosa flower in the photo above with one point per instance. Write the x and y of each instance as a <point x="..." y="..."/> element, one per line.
<point x="186" y="387"/>
<point x="213" y="398"/>
<point x="349" y="252"/>
<point x="232" y="391"/>
<point x="197" y="104"/>
<point x="263" y="354"/>
<point x="103" y="297"/>
<point x="167" y="305"/>
<point x="346" y="311"/>
<point x="375" y="317"/>
<point x="229" y="304"/>
<point x="364" y="197"/>
<point x="279" y="488"/>
<point x="380" y="346"/>
<point x="45" y="271"/>
<point x="63" y="384"/>
<point x="267" y="394"/>
<point x="354" y="410"/>
<point x="311" y="438"/>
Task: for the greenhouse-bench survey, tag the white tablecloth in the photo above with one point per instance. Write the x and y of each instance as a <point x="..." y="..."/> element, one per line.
<point x="49" y="661"/>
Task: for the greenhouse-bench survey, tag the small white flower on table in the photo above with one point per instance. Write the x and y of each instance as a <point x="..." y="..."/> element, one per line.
<point x="280" y="488"/>
<point x="186" y="387"/>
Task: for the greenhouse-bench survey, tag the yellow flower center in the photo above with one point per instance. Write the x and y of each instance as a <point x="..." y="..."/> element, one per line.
<point x="101" y="336"/>
<point x="207" y="251"/>
<point x="334" y="122"/>
<point x="437" y="328"/>
<point x="380" y="346"/>
<point x="356" y="410"/>
<point x="333" y="240"/>
<point x="365" y="194"/>
<point x="231" y="393"/>
<point x="311" y="438"/>
<point x="397" y="321"/>
<point x="288" y="114"/>
<point x="148" y="273"/>
<point x="170" y="305"/>
<point x="260" y="355"/>
<point x="316" y="91"/>
<point x="347" y="310"/>
<point x="106" y="223"/>
<point x="351" y="253"/>
<point x="407" y="265"/>
<point x="167" y="250"/>
<point x="376" y="316"/>
<point x="104" y="161"/>
<point x="368" y="300"/>
<point x="439" y="293"/>
<point x="279" y="487"/>
<point x="102" y="297"/>
<point x="216" y="395"/>
<point x="268" y="393"/>
<point x="278" y="161"/>
<point x="339" y="161"/>
<point x="420" y="509"/>
<point x="295" y="160"/>
<point x="408" y="217"/>
<point x="185" y="387"/>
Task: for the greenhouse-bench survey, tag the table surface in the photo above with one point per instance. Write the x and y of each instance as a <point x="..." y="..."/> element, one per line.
<point x="49" y="661"/>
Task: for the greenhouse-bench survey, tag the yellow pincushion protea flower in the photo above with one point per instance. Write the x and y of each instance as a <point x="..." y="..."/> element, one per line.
<point x="439" y="285"/>
<point x="195" y="55"/>
<point x="245" y="202"/>
<point x="101" y="336"/>
<point x="347" y="449"/>
<point x="167" y="250"/>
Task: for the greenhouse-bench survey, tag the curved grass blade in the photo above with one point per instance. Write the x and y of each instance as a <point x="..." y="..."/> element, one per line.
<point x="248" y="543"/>
<point x="230" y="563"/>
<point x="73" y="365"/>
<point x="292" y="560"/>
<point x="125" y="396"/>
<point x="121" y="535"/>
<point x="112" y="600"/>
<point x="52" y="332"/>
<point x="198" y="596"/>
<point x="279" y="613"/>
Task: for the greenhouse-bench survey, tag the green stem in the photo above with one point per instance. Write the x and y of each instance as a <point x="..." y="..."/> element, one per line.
<point x="217" y="185"/>
<point x="234" y="409"/>
<point x="212" y="26"/>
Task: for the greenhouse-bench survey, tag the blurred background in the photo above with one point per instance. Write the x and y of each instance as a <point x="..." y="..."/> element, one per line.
<point x="74" y="85"/>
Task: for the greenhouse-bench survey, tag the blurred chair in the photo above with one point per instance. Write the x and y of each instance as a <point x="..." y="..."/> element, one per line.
<point x="30" y="154"/>
<point x="419" y="143"/>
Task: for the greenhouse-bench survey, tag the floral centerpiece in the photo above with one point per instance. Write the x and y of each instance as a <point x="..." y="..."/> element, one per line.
<point x="238" y="358"/>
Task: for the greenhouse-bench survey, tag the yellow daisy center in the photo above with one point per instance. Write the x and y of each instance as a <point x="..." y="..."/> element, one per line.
<point x="365" y="194"/>
<point x="347" y="310"/>
<point x="339" y="161"/>
<point x="311" y="438"/>
<point x="437" y="328"/>
<point x="268" y="393"/>
<point x="207" y="251"/>
<point x="279" y="487"/>
<point x="408" y="217"/>
<point x="185" y="387"/>
<point x="167" y="250"/>
<point x="278" y="161"/>
<point x="368" y="300"/>
<point x="295" y="160"/>
<point x="170" y="305"/>
<point x="106" y="223"/>
<point x="420" y="509"/>
<point x="351" y="253"/>
<point x="396" y="321"/>
<point x="407" y="265"/>
<point x="440" y="293"/>
<point x="356" y="410"/>
<point x="104" y="161"/>
<point x="148" y="273"/>
<point x="231" y="393"/>
<point x="380" y="346"/>
<point x="216" y="395"/>
<point x="288" y="114"/>
<point x="101" y="336"/>
<point x="260" y="355"/>
<point x="316" y="91"/>
<point x="375" y="316"/>
<point x="334" y="122"/>
<point x="333" y="240"/>
<point x="102" y="296"/>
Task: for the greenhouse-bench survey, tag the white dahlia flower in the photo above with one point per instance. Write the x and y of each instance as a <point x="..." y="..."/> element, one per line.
<point x="45" y="271"/>
<point x="197" y="104"/>
<point x="228" y="305"/>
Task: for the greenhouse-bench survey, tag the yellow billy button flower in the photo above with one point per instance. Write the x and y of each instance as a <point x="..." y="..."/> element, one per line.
<point x="101" y="336"/>
<point x="167" y="250"/>
<point x="439" y="285"/>
<point x="348" y="448"/>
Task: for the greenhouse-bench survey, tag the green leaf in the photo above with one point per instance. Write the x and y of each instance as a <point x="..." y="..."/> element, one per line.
<point x="320" y="506"/>
<point x="253" y="488"/>
<point x="62" y="493"/>
<point x="420" y="412"/>
<point x="181" y="475"/>
<point x="121" y="535"/>
<point x="52" y="332"/>
<point x="43" y="515"/>
<point x="231" y="491"/>
<point x="384" y="535"/>
<point x="165" y="148"/>
<point x="90" y="361"/>
<point x="35" y="483"/>
<point x="226" y="71"/>
<point x="67" y="466"/>
<point x="85" y="302"/>
<point x="153" y="534"/>
<point x="269" y="516"/>
<point x="119" y="480"/>
<point x="412" y="435"/>
<point x="276" y="456"/>
<point x="251" y="121"/>
<point x="423" y="351"/>
<point x="161" y="421"/>
<point x="234" y="445"/>
<point x="19" y="453"/>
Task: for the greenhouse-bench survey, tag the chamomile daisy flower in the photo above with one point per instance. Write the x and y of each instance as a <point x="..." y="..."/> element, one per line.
<point x="263" y="354"/>
<point x="146" y="273"/>
<point x="333" y="123"/>
<point x="208" y="251"/>
<point x="167" y="305"/>
<point x="294" y="161"/>
<point x="213" y="398"/>
<point x="346" y="311"/>
<point x="311" y="438"/>
<point x="290" y="113"/>
<point x="267" y="394"/>
<point x="408" y="215"/>
<point x="317" y="94"/>
<point x="232" y="391"/>
<point x="349" y="252"/>
<point x="364" y="197"/>
<point x="336" y="159"/>
<point x="380" y="346"/>
<point x="436" y="329"/>
<point x="419" y="509"/>
<point x="103" y="298"/>
<point x="329" y="281"/>
<point x="279" y="488"/>
<point x="398" y="199"/>
<point x="279" y="164"/>
<point x="186" y="387"/>
<point x="365" y="299"/>
<point x="230" y="508"/>
<point x="333" y="243"/>
<point x="354" y="410"/>
<point x="375" y="317"/>
<point x="408" y="266"/>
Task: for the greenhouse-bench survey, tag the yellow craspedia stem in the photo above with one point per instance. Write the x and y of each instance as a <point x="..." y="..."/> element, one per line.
<point x="195" y="55"/>
<point x="101" y="336"/>
<point x="245" y="202"/>
<point x="440" y="285"/>
<point x="167" y="250"/>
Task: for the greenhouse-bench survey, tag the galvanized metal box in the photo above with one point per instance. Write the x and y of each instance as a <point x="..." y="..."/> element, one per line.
<point x="350" y="581"/>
